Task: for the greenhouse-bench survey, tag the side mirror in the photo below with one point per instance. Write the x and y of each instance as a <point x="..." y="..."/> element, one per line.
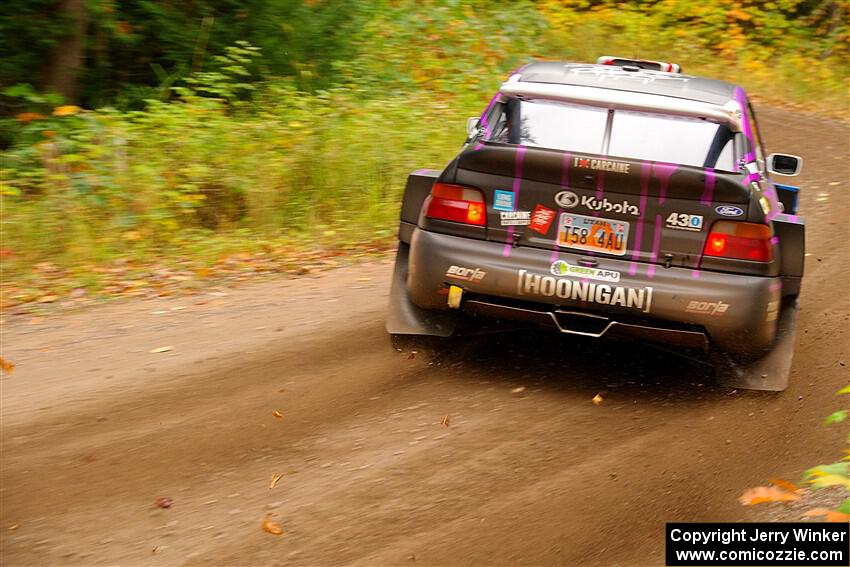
<point x="471" y="125"/>
<point x="784" y="164"/>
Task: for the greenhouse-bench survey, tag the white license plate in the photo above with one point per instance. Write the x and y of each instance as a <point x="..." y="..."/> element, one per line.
<point x="593" y="234"/>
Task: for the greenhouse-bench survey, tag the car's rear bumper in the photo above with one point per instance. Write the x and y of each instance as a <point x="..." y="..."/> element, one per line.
<point x="672" y="305"/>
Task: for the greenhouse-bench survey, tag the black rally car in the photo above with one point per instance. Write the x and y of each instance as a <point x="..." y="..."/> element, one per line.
<point x="607" y="200"/>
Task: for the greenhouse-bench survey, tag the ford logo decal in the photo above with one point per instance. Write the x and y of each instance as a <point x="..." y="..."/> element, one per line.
<point x="566" y="199"/>
<point x="729" y="211"/>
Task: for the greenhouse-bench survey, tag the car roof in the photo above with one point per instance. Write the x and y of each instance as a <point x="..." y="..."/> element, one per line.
<point x="628" y="79"/>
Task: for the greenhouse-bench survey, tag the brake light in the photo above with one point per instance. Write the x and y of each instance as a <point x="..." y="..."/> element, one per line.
<point x="457" y="203"/>
<point x="740" y="240"/>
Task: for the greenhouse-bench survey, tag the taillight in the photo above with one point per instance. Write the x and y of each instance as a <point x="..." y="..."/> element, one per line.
<point x="740" y="240"/>
<point x="457" y="203"/>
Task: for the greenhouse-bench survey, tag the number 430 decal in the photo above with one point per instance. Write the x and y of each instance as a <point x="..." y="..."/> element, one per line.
<point x="682" y="221"/>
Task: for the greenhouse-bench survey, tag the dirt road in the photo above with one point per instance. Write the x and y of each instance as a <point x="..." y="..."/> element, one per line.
<point x="96" y="426"/>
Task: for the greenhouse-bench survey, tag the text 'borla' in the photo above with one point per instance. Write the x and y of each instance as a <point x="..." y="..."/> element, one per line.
<point x="548" y="286"/>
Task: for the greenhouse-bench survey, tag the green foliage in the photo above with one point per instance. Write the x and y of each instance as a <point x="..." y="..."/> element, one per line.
<point x="784" y="50"/>
<point x="138" y="42"/>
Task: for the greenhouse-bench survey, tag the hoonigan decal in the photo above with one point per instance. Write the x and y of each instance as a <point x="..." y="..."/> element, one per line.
<point x="603" y="294"/>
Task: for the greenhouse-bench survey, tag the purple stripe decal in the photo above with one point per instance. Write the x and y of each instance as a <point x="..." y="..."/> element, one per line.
<point x="774" y="240"/>
<point x="600" y="188"/>
<point x="708" y="192"/>
<point x="663" y="171"/>
<point x="741" y="98"/>
<point x="656" y="244"/>
<point x="565" y="183"/>
<point x="775" y="286"/>
<point x="706" y="200"/>
<point x="520" y="153"/>
<point x="645" y="169"/>
<point x="424" y="171"/>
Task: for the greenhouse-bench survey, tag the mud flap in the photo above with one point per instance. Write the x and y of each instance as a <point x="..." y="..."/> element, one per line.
<point x="769" y="372"/>
<point x="405" y="318"/>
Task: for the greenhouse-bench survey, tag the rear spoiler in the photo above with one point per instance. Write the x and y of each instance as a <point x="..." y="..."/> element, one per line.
<point x="729" y="114"/>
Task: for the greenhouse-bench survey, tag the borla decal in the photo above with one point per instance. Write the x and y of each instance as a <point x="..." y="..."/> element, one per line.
<point x="601" y="164"/>
<point x="714" y="308"/>
<point x="472" y="275"/>
<point x="562" y="268"/>
<point x="603" y="294"/>
<point x="516" y="218"/>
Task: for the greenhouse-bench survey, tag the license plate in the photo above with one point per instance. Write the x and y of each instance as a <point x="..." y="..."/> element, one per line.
<point x="593" y="234"/>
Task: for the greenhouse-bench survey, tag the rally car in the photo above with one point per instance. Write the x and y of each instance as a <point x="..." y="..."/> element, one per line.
<point x="617" y="199"/>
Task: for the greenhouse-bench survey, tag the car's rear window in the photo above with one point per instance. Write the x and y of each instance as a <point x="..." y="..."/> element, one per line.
<point x="637" y="135"/>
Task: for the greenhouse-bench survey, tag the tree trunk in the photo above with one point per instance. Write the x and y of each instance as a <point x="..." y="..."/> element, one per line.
<point x="67" y="59"/>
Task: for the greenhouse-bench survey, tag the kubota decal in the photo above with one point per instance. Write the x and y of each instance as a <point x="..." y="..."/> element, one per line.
<point x="566" y="199"/>
<point x="594" y="204"/>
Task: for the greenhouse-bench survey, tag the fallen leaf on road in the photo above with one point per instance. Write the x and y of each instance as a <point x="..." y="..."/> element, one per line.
<point x="163" y="502"/>
<point x="277" y="414"/>
<point x="814" y="512"/>
<point x="445" y="421"/>
<point x="161" y="349"/>
<point x="7" y="367"/>
<point x="831" y="515"/>
<point x="411" y="355"/>
<point x="271" y="527"/>
<point x="155" y="549"/>
<point x="761" y="494"/>
<point x="782" y="483"/>
<point x="597" y="399"/>
<point x="274" y="480"/>
<point x="13" y="527"/>
<point x="519" y="390"/>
